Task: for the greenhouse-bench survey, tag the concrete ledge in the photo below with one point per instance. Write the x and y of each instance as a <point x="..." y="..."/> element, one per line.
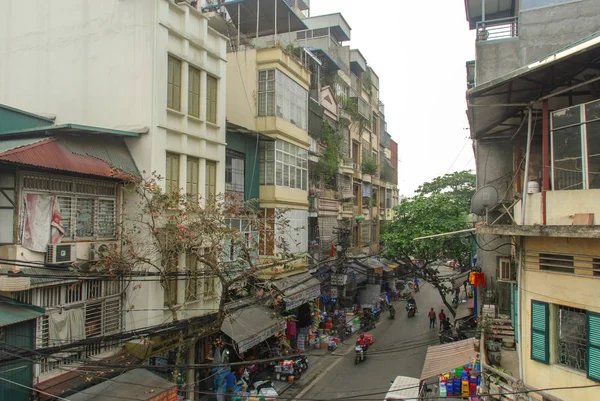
<point x="541" y="231"/>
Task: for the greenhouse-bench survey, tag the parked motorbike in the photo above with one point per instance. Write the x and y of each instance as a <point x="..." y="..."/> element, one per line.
<point x="360" y="354"/>
<point x="455" y="302"/>
<point x="392" y="311"/>
<point x="367" y="322"/>
<point x="300" y="363"/>
<point x="258" y="388"/>
<point x="286" y="368"/>
<point x="448" y="336"/>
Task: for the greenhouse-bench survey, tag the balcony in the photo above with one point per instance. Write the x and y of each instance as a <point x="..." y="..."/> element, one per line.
<point x="335" y="24"/>
<point x="347" y="210"/>
<point x="503" y="28"/>
<point x="328" y="207"/>
<point x="366" y="177"/>
<point x="358" y="64"/>
<point x="347" y="166"/>
<point x="561" y="207"/>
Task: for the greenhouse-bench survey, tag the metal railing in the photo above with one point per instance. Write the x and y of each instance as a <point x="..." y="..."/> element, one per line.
<point x="502" y="28"/>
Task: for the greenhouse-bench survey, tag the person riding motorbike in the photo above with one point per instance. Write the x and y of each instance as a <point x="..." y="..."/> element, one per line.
<point x="411" y="301"/>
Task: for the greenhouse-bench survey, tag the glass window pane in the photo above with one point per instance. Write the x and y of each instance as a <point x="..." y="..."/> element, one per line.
<point x="567" y="158"/>
<point x="593" y="149"/>
<point x="279" y="173"/>
<point x="298" y="178"/>
<point x="85" y="218"/>
<point x="565" y="117"/>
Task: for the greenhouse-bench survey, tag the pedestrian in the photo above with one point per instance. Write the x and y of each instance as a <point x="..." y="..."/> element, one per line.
<point x="431" y="318"/>
<point x="442" y="316"/>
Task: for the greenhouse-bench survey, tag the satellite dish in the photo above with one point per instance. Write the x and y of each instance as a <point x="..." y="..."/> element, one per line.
<point x="485" y="198"/>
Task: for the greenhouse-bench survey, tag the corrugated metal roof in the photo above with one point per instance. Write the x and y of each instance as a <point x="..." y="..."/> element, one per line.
<point x="445" y="357"/>
<point x="92" y="156"/>
<point x="16" y="143"/>
<point x="12" y="312"/>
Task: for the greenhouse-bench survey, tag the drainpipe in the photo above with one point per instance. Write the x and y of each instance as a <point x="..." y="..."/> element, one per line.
<point x="519" y="303"/>
<point x="545" y="157"/>
<point x="526" y="178"/>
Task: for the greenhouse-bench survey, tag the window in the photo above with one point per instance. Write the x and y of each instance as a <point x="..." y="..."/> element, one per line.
<point x="191" y="290"/>
<point x="366" y="235"/>
<point x="194" y="92"/>
<point x="245" y="227"/>
<point x="172" y="173"/>
<point x="170" y="288"/>
<point x="209" y="279"/>
<point x="283" y="164"/>
<point x="211" y="179"/>
<point x="539" y="332"/>
<point x="356" y="193"/>
<point x="556" y="263"/>
<point x="505" y="269"/>
<point x="211" y="99"/>
<point x="267" y="233"/>
<point x="191" y="185"/>
<point x="596" y="266"/>
<point x="235" y="173"/>
<point x="174" y="84"/>
<point x="571" y="337"/>
<point x="7" y="207"/>
<point x="88" y="208"/>
<point x="576" y="147"/>
<point x="281" y="96"/>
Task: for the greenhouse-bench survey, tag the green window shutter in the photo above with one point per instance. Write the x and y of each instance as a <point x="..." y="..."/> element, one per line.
<point x="593" y="362"/>
<point x="540" y="336"/>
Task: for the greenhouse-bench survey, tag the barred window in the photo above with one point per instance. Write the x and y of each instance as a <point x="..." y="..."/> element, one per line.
<point x="88" y="208"/>
<point x="235" y="173"/>
<point x="571" y="337"/>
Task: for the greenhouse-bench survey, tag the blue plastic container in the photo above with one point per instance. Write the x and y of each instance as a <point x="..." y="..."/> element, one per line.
<point x="450" y="388"/>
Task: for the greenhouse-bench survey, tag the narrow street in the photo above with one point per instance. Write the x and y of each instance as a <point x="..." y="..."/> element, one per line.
<point x="399" y="349"/>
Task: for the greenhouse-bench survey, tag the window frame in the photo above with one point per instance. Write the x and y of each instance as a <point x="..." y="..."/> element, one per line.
<point x="192" y="178"/>
<point x="194" y="91"/>
<point x="172" y="161"/>
<point x="10" y="204"/>
<point x="210" y="180"/>
<point x="593" y="345"/>
<point x="554" y="263"/>
<point x="284" y="94"/>
<point x="559" y="337"/>
<point x="232" y="172"/>
<point x="285" y="163"/>
<point x="174" y="67"/>
<point x="212" y="84"/>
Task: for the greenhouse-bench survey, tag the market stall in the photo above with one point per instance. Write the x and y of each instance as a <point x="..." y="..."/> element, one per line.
<point x="456" y="367"/>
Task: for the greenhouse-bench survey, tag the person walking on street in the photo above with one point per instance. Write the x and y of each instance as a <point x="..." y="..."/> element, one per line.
<point x="442" y="317"/>
<point x="431" y="318"/>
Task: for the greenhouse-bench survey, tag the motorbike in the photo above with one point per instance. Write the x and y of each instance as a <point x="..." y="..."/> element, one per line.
<point x="411" y="309"/>
<point x="258" y="388"/>
<point x="367" y="322"/>
<point x="285" y="369"/>
<point x="392" y="312"/>
<point x="360" y="354"/>
<point x="448" y="336"/>
<point x="300" y="363"/>
<point x="455" y="302"/>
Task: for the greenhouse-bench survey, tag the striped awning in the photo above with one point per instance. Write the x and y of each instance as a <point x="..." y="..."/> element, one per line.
<point x="443" y="358"/>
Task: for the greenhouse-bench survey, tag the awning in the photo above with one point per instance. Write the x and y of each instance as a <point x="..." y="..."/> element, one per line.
<point x="97" y="156"/>
<point x="271" y="14"/>
<point x="374" y="264"/>
<point x="390" y="265"/>
<point x="251" y="326"/>
<point x="12" y="312"/>
<point x="495" y="108"/>
<point x="443" y="358"/>
<point x="151" y="387"/>
<point x="328" y="63"/>
<point x="298" y="289"/>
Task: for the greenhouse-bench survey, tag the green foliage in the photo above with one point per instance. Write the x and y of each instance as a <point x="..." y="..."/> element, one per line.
<point x="368" y="82"/>
<point x="295" y="51"/>
<point x="440" y="206"/>
<point x="369" y="164"/>
<point x="328" y="165"/>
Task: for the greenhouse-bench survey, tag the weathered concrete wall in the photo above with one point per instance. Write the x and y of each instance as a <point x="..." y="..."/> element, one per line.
<point x="542" y="31"/>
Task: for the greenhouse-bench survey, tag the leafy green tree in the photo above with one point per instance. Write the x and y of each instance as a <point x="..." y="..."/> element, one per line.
<point x="440" y="206"/>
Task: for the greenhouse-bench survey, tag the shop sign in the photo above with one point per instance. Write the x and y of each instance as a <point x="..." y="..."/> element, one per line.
<point x="378" y="270"/>
<point x="169" y="395"/>
<point x="256" y="339"/>
<point x="297" y="299"/>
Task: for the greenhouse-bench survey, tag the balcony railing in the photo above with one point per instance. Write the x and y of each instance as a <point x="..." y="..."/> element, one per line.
<point x="502" y="28"/>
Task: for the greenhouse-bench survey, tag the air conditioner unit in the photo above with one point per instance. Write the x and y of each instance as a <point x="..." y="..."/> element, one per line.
<point x="98" y="249"/>
<point x="61" y="253"/>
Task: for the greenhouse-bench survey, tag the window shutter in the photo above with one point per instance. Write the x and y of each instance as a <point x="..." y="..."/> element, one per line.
<point x="514" y="296"/>
<point x="540" y="332"/>
<point x="593" y="362"/>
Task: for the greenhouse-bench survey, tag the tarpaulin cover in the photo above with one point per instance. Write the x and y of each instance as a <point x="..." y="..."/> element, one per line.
<point x="251" y="326"/>
<point x="443" y="358"/>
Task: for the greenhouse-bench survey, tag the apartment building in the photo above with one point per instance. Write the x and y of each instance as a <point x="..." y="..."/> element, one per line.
<point x="150" y="71"/>
<point x="532" y="109"/>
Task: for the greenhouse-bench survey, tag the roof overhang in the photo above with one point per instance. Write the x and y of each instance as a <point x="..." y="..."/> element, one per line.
<point x="73" y="129"/>
<point x="272" y="16"/>
<point x="494" y="9"/>
<point x="496" y="108"/>
<point x="327" y="62"/>
<point x="540" y="231"/>
<point x="445" y="357"/>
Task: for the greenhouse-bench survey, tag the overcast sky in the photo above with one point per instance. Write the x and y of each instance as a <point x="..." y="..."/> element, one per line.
<point x="418" y="49"/>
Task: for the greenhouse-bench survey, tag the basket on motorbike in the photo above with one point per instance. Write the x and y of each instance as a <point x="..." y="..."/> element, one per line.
<point x="369" y="339"/>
